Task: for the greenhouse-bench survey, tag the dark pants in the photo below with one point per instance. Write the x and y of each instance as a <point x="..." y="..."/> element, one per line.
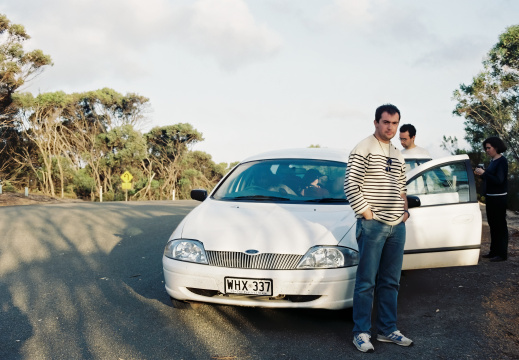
<point x="496" y="215"/>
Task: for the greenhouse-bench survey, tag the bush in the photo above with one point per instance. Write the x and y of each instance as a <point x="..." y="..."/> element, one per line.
<point x="108" y="196"/>
<point x="83" y="184"/>
<point x="513" y="192"/>
<point x="8" y="187"/>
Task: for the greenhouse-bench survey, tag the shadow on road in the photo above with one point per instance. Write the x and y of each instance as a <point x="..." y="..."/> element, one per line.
<point x="85" y="281"/>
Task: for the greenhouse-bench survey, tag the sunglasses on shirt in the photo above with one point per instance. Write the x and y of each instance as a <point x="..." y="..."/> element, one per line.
<point x="388" y="162"/>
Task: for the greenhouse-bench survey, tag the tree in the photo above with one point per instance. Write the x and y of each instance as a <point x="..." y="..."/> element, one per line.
<point x="59" y="132"/>
<point x="114" y="109"/>
<point x="92" y="123"/>
<point x="490" y="104"/>
<point x="450" y="144"/>
<point x="41" y="123"/>
<point x="199" y="171"/>
<point x="16" y="66"/>
<point x="166" y="148"/>
<point x="125" y="148"/>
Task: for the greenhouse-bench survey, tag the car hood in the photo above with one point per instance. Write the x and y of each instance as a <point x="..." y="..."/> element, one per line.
<point x="268" y="227"/>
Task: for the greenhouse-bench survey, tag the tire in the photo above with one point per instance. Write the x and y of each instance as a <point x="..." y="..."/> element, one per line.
<point x="178" y="304"/>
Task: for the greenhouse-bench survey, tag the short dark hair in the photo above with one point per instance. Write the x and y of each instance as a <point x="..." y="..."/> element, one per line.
<point x="389" y="108"/>
<point x="410" y="128"/>
<point x="496" y="143"/>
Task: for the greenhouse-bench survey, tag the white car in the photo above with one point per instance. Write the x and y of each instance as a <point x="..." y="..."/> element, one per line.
<point x="277" y="231"/>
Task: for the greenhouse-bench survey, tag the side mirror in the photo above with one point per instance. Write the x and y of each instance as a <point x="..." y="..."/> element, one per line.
<point x="413" y="201"/>
<point x="199" y="194"/>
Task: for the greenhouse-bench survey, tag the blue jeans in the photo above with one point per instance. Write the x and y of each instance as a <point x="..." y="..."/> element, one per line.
<point x="381" y="252"/>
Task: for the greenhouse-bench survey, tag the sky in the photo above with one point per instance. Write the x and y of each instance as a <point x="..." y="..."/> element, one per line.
<point x="261" y="75"/>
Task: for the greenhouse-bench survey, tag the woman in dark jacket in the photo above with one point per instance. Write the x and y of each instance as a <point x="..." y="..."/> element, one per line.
<point x="495" y="189"/>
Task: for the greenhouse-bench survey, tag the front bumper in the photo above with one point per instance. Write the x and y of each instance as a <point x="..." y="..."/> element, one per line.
<point x="319" y="288"/>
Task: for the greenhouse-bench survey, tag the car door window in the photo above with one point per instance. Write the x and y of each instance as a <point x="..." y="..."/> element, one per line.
<point x="444" y="184"/>
<point x="410" y="164"/>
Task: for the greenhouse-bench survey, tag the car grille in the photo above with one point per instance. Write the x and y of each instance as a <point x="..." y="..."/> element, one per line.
<point x="259" y="261"/>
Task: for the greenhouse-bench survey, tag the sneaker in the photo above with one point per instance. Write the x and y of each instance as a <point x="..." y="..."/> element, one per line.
<point x="362" y="342"/>
<point x="395" y="337"/>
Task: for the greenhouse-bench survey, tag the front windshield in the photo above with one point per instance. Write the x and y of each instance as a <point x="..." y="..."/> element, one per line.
<point x="285" y="180"/>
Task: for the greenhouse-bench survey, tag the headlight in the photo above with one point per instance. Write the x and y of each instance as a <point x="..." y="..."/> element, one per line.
<point x="186" y="250"/>
<point x="329" y="257"/>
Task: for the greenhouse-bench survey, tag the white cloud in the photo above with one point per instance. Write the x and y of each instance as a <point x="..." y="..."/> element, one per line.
<point x="380" y="20"/>
<point x="91" y="41"/>
<point x="343" y="111"/>
<point x="226" y="30"/>
<point x="349" y="13"/>
<point x="457" y="51"/>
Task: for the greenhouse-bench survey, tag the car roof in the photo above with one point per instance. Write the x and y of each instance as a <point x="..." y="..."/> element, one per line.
<point x="329" y="154"/>
<point x="418" y="157"/>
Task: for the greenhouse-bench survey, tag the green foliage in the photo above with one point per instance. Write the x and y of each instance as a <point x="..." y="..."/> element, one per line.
<point x="84" y="183"/>
<point x="185" y="185"/>
<point x="112" y="108"/>
<point x="8" y="187"/>
<point x="170" y="141"/>
<point x="490" y="104"/>
<point x="155" y="184"/>
<point x="109" y="196"/>
<point x="124" y="146"/>
<point x="505" y="53"/>
<point x="82" y="142"/>
<point x="450" y="144"/>
<point x="16" y="65"/>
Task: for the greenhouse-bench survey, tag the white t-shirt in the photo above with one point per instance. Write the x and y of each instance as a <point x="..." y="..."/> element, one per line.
<point x="416" y="151"/>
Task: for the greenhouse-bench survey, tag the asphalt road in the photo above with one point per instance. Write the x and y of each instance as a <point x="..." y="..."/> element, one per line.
<point x="84" y="281"/>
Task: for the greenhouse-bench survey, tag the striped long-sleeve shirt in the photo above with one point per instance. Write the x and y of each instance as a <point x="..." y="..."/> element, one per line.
<point x="369" y="186"/>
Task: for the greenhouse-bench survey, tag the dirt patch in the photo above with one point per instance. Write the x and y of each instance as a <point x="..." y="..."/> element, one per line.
<point x="14" y="199"/>
<point x="502" y="303"/>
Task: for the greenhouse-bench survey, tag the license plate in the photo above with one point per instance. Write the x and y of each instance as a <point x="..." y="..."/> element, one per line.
<point x="248" y="286"/>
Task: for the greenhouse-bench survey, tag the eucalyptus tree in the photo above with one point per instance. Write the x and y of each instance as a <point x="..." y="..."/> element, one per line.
<point x="167" y="145"/>
<point x="200" y="171"/>
<point x="112" y="109"/>
<point x="95" y="122"/>
<point x="16" y="65"/>
<point x="125" y="149"/>
<point x="40" y="122"/>
<point x="490" y="104"/>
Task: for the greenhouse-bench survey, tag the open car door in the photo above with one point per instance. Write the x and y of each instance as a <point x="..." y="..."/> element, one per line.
<point x="445" y="224"/>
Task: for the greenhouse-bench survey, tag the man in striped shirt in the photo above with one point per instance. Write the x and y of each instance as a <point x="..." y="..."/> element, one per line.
<point x="375" y="187"/>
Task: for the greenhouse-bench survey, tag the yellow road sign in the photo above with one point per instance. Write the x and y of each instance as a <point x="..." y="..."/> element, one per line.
<point x="126" y="177"/>
<point x="126" y="186"/>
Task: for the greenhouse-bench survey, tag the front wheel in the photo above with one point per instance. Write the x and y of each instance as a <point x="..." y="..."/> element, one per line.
<point x="179" y="304"/>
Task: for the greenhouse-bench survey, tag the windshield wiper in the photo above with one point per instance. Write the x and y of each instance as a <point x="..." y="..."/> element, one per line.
<point x="259" y="197"/>
<point x="328" y="200"/>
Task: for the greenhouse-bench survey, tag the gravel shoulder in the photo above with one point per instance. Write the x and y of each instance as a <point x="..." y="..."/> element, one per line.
<point x="15" y="199"/>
